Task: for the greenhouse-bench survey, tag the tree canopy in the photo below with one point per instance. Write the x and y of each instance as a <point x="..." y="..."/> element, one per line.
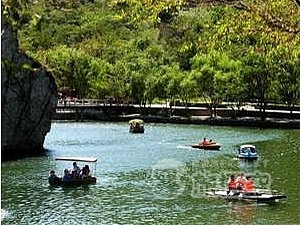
<point x="144" y="50"/>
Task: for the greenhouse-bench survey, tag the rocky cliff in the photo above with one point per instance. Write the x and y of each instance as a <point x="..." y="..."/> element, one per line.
<point x="28" y="100"/>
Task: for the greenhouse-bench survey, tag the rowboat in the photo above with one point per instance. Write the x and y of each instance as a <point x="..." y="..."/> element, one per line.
<point x="259" y="196"/>
<point x="248" y="152"/>
<point x="215" y="146"/>
<point x="73" y="180"/>
<point x="136" y="126"/>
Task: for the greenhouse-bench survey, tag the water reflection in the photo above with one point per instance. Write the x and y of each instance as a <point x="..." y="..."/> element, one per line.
<point x="4" y="214"/>
<point x="248" y="165"/>
<point x="243" y="212"/>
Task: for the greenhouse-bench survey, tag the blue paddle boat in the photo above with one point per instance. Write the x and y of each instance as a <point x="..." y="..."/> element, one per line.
<point x="248" y="152"/>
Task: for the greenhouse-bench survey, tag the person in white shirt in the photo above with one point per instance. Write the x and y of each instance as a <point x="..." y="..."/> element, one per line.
<point x="76" y="170"/>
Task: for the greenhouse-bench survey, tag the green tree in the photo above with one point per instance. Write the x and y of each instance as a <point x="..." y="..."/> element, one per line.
<point x="288" y="76"/>
<point x="70" y="67"/>
<point x="218" y="76"/>
<point x="188" y="88"/>
<point x="258" y="77"/>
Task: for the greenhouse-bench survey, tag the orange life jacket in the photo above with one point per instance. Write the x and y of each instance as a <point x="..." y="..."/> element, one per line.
<point x="240" y="182"/>
<point x="249" y="185"/>
<point x="232" y="184"/>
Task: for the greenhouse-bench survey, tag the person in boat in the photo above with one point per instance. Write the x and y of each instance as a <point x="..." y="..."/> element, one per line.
<point x="204" y="142"/>
<point x="232" y="183"/>
<point x="85" y="172"/>
<point x="76" y="170"/>
<point x="249" y="185"/>
<point x="211" y="142"/>
<point x="240" y="181"/>
<point x="53" y="179"/>
<point x="67" y="176"/>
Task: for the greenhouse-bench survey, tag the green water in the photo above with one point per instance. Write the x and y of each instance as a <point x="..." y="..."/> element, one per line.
<point x="152" y="178"/>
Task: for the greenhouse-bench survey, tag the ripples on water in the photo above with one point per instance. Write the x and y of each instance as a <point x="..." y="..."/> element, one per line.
<point x="151" y="178"/>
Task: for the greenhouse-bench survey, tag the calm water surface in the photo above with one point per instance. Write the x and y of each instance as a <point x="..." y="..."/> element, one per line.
<point x="152" y="178"/>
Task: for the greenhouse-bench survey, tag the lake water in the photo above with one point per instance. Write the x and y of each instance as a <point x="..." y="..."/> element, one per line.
<point x="152" y="178"/>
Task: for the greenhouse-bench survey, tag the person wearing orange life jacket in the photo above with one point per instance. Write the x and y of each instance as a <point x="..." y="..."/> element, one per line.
<point x="249" y="187"/>
<point x="231" y="184"/>
<point x="204" y="142"/>
<point x="240" y="182"/>
<point x="212" y="142"/>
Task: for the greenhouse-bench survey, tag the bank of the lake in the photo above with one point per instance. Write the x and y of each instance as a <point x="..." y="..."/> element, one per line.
<point x="197" y="120"/>
<point x="152" y="178"/>
<point x="88" y="110"/>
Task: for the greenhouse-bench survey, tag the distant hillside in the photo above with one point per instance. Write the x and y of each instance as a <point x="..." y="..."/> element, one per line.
<point x="184" y="50"/>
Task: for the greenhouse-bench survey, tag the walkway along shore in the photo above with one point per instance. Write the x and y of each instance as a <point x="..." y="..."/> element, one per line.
<point x="179" y="115"/>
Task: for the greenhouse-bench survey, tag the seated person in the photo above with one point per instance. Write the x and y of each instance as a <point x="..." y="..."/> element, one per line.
<point x="240" y="182"/>
<point x="249" y="185"/>
<point x="67" y="176"/>
<point x="53" y="179"/>
<point x="76" y="170"/>
<point x="204" y="142"/>
<point x="212" y="142"/>
<point x="231" y="184"/>
<point x="85" y="172"/>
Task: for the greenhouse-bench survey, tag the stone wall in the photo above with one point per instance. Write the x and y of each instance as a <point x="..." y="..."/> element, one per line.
<point x="28" y="100"/>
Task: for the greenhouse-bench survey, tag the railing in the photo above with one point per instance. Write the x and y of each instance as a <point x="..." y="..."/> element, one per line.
<point x="74" y="102"/>
<point x="81" y="102"/>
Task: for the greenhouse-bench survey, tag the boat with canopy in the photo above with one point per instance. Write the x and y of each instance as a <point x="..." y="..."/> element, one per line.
<point x="136" y="126"/>
<point x="248" y="152"/>
<point x="73" y="178"/>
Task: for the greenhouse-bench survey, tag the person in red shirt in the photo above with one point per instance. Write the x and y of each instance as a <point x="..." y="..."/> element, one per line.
<point x="231" y="184"/>
<point x="249" y="185"/>
<point x="240" y="182"/>
<point x="204" y="142"/>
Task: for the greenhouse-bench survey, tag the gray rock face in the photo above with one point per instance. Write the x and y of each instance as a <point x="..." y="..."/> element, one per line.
<point x="28" y="100"/>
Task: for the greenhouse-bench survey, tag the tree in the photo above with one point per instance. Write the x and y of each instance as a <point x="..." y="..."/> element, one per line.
<point x="165" y="50"/>
<point x="258" y="77"/>
<point x="288" y="76"/>
<point x="70" y="67"/>
<point x="218" y="76"/>
<point x="137" y="87"/>
<point x="153" y="12"/>
<point x="174" y="76"/>
<point x="188" y="88"/>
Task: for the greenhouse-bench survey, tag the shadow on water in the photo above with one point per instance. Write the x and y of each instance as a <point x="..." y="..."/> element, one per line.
<point x="11" y="155"/>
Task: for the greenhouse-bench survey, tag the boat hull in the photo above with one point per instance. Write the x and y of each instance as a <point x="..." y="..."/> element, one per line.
<point x="247" y="152"/>
<point x="137" y="130"/>
<point x="136" y="126"/>
<point x="247" y="157"/>
<point x="75" y="182"/>
<point x="258" y="197"/>
<point x="206" y="147"/>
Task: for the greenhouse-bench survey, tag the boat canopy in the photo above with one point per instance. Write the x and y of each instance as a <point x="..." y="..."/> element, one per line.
<point x="78" y="159"/>
<point x="134" y="121"/>
<point x="247" y="146"/>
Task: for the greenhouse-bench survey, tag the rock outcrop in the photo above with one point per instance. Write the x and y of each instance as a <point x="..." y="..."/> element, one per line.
<point x="28" y="100"/>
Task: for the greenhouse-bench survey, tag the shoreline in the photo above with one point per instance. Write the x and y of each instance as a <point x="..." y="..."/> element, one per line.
<point x="274" y="118"/>
<point x="280" y="123"/>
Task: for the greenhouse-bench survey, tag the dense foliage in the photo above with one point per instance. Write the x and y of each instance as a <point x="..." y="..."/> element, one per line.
<point x="184" y="50"/>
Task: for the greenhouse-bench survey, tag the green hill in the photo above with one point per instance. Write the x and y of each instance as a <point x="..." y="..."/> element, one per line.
<point x="146" y="50"/>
